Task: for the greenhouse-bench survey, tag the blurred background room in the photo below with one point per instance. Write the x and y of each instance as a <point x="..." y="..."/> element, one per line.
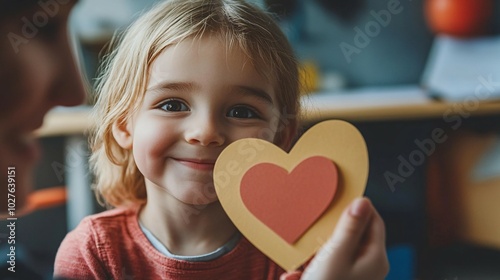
<point x="419" y="78"/>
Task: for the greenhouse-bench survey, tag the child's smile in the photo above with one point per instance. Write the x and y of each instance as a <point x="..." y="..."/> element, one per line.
<point x="201" y="97"/>
<point x="198" y="164"/>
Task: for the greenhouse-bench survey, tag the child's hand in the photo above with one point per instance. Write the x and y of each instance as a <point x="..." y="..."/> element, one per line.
<point x="356" y="250"/>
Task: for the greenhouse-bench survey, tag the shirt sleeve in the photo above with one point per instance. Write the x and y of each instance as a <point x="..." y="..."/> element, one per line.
<point x="78" y="255"/>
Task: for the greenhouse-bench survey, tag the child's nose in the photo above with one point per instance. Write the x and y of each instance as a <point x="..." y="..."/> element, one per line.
<point x="204" y="130"/>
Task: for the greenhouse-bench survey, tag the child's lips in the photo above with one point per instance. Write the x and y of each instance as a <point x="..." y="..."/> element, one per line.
<point x="198" y="164"/>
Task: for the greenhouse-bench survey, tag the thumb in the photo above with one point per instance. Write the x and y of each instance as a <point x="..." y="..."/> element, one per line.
<point x="338" y="254"/>
<point x="349" y="231"/>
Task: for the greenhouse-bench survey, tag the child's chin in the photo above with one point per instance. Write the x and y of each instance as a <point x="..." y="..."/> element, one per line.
<point x="199" y="201"/>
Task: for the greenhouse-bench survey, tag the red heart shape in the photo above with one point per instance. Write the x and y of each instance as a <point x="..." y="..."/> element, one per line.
<point x="290" y="203"/>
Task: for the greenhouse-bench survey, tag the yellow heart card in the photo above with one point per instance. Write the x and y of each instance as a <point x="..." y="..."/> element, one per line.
<point x="287" y="204"/>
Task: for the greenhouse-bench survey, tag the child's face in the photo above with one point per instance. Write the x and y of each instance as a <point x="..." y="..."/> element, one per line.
<point x="201" y="97"/>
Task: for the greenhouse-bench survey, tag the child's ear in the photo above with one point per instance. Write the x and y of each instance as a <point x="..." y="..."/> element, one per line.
<point x="122" y="134"/>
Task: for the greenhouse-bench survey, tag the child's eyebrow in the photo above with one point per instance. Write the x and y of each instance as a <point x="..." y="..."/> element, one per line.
<point x="186" y="86"/>
<point x="177" y="86"/>
<point x="256" y="92"/>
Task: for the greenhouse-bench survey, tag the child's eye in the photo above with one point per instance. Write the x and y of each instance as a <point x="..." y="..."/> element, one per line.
<point x="174" y="106"/>
<point x="242" y="112"/>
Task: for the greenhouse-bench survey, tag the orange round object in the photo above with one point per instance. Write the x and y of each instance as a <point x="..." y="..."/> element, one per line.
<point x="463" y="18"/>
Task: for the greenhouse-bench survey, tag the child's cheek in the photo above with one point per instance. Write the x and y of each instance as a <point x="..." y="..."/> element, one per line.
<point x="265" y="133"/>
<point x="150" y="148"/>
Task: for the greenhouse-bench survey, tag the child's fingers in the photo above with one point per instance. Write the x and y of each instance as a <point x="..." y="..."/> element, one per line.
<point x="338" y="255"/>
<point x="351" y="228"/>
<point x="374" y="255"/>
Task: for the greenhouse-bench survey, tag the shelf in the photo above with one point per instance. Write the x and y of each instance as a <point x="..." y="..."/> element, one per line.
<point x="382" y="104"/>
<point x="388" y="103"/>
<point x="65" y="121"/>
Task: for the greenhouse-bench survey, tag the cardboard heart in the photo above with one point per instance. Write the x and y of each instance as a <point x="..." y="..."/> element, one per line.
<point x="289" y="203"/>
<point x="338" y="141"/>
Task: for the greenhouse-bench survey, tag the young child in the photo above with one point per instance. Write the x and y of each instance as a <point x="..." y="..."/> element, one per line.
<point x="188" y="79"/>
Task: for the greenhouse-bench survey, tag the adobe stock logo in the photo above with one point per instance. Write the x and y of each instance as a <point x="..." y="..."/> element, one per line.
<point x="453" y="118"/>
<point x="31" y="27"/>
<point x="372" y="29"/>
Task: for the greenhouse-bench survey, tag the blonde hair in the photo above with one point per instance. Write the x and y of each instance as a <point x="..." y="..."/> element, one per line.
<point x="122" y="83"/>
